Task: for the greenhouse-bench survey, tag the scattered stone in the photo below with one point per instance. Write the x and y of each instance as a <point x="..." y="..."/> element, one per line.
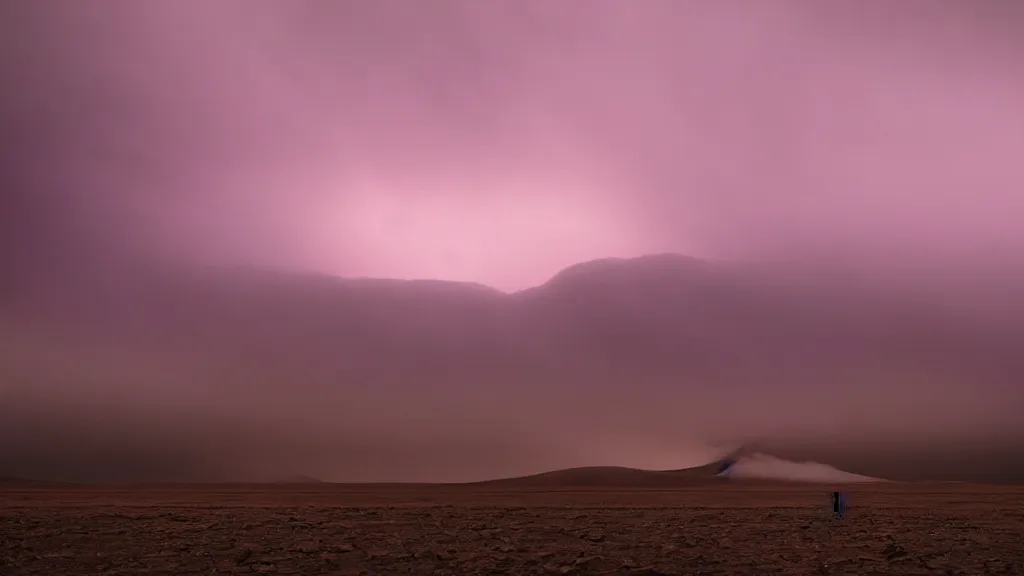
<point x="243" y="556"/>
<point x="426" y="554"/>
<point x="894" y="551"/>
<point x="308" y="548"/>
<point x="594" y="563"/>
<point x="343" y="548"/>
<point x="263" y="567"/>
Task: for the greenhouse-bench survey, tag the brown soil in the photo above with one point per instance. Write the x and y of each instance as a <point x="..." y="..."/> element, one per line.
<point x="704" y="528"/>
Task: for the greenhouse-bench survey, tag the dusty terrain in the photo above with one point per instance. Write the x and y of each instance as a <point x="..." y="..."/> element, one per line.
<point x="703" y="528"/>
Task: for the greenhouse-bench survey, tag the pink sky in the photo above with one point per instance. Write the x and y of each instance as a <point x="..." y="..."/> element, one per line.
<point x="500" y="141"/>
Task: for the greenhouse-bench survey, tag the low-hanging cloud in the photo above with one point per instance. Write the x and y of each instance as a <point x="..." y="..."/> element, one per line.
<point x="266" y="131"/>
<point x="763" y="467"/>
<point x="500" y="142"/>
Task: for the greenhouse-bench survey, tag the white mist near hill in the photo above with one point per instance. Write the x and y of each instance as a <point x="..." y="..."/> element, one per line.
<point x="761" y="466"/>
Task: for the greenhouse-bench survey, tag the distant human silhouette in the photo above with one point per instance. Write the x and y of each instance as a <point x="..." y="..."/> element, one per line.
<point x="838" y="505"/>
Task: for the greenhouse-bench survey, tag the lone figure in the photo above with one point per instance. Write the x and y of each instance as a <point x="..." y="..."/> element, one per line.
<point x="838" y="505"/>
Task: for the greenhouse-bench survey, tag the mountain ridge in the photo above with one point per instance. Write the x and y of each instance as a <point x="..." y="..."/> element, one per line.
<point x="652" y="348"/>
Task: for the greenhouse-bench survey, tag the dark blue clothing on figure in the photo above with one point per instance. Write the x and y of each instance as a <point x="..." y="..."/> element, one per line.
<point x="838" y="505"/>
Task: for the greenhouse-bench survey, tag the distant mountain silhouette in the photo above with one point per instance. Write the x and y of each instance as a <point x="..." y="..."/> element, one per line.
<point x="738" y="466"/>
<point x="609" y="477"/>
<point x="179" y="373"/>
<point x="589" y="476"/>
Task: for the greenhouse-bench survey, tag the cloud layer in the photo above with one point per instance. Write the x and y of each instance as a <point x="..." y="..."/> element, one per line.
<point x="501" y="142"/>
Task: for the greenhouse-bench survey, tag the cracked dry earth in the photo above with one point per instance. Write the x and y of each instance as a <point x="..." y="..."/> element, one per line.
<point x="426" y="530"/>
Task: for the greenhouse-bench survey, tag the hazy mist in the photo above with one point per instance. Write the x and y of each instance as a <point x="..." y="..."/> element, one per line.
<point x="185" y="182"/>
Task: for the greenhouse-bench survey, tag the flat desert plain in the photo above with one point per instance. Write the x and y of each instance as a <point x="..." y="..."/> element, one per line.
<point x="703" y="528"/>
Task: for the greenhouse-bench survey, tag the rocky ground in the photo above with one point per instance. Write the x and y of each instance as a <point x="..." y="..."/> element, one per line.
<point x="381" y="530"/>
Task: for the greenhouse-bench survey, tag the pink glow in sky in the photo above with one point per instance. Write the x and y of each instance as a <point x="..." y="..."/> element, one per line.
<point x="501" y="141"/>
